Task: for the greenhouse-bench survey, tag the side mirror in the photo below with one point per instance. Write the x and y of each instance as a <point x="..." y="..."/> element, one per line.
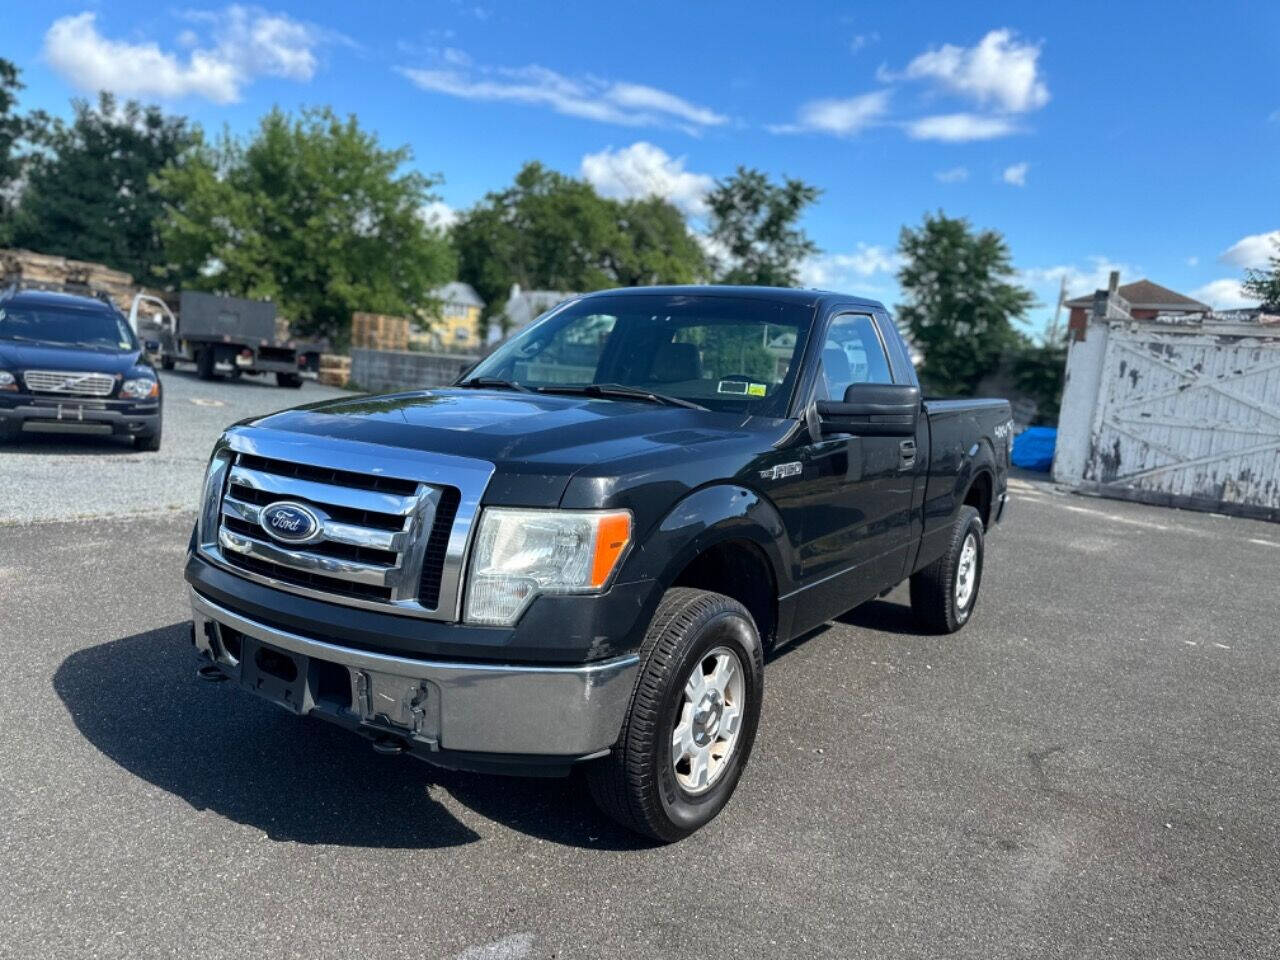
<point x="872" y="410"/>
<point x="151" y="346"/>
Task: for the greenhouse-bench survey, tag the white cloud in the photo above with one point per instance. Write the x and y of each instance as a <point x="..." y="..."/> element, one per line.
<point x="840" y="117"/>
<point x="1255" y="250"/>
<point x="1193" y="261"/>
<point x="247" y="42"/>
<point x="1016" y="175"/>
<point x="960" y="127"/>
<point x="1081" y="280"/>
<point x="999" y="72"/>
<point x="439" y="214"/>
<point x="1225" y="294"/>
<point x="954" y="175"/>
<point x="861" y="41"/>
<point x="644" y="170"/>
<point x="639" y="97"/>
<point x="852" y="270"/>
<point x="590" y="98"/>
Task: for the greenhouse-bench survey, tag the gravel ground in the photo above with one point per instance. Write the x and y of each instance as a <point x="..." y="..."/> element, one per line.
<point x="1090" y="769"/>
<point x="57" y="477"/>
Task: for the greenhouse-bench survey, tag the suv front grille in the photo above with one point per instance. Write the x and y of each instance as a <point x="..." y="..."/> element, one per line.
<point x="383" y="539"/>
<point x="70" y="382"/>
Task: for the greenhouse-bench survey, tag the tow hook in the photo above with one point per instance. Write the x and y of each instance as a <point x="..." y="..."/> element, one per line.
<point x="210" y="673"/>
<point x="389" y="746"/>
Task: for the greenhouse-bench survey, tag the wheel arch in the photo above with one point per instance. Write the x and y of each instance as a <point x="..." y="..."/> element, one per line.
<point x="726" y="538"/>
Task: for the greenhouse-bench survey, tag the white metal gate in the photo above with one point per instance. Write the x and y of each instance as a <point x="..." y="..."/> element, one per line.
<point x="1189" y="416"/>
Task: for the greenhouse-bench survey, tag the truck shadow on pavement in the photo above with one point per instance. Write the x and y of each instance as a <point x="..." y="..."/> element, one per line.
<point x="297" y="780"/>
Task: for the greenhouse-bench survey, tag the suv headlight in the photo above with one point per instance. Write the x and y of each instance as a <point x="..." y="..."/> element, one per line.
<point x="8" y="381"/>
<point x="140" y="388"/>
<point x="521" y="553"/>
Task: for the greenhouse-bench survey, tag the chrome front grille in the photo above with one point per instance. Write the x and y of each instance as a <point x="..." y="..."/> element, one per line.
<point x="69" y="381"/>
<point x="392" y="525"/>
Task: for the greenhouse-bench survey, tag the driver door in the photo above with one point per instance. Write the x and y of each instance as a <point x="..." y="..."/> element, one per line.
<point x="856" y="527"/>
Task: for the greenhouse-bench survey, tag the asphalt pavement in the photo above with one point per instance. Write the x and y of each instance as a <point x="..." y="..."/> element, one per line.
<point x="1091" y="768"/>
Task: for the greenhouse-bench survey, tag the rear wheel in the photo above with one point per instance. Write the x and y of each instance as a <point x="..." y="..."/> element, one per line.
<point x="204" y="364"/>
<point x="166" y="362"/>
<point x="692" y="721"/>
<point x="945" y="592"/>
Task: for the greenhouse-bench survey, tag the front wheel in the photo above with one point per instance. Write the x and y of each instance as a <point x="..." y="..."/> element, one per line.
<point x="944" y="593"/>
<point x="290" y="380"/>
<point x="692" y="721"/>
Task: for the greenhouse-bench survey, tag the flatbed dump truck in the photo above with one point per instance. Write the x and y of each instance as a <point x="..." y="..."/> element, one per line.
<point x="232" y="336"/>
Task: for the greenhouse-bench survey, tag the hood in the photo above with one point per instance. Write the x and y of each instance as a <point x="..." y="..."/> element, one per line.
<point x="15" y="355"/>
<point x="537" y="442"/>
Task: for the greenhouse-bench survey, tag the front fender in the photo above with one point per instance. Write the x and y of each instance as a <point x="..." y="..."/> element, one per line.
<point x="711" y="515"/>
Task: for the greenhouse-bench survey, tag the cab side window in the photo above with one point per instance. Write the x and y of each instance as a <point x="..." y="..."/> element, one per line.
<point x="852" y="353"/>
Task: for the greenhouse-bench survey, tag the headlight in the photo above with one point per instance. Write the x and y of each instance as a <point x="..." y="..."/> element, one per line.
<point x="522" y="553"/>
<point x="142" y="388"/>
<point x="8" y="381"/>
<point x="211" y="495"/>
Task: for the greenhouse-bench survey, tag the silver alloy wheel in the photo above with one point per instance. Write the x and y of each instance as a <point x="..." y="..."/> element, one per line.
<point x="709" y="721"/>
<point x="967" y="571"/>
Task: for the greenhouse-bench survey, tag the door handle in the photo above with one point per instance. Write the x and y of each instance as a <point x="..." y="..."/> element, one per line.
<point x="906" y="454"/>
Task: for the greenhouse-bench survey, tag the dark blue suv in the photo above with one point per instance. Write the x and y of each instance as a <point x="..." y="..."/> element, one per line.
<point x="71" y="364"/>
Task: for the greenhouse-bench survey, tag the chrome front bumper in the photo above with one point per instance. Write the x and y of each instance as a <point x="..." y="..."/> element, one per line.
<point x="467" y="707"/>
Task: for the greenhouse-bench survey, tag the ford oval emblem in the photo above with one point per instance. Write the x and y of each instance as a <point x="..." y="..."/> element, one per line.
<point x="290" y="522"/>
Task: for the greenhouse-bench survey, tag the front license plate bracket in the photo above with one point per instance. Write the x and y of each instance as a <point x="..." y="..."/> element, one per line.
<point x="278" y="675"/>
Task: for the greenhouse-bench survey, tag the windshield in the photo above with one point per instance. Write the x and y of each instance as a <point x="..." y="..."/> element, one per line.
<point x="724" y="353"/>
<point x="66" y="327"/>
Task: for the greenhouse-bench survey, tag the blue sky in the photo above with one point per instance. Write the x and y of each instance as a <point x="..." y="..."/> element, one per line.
<point x="1137" y="136"/>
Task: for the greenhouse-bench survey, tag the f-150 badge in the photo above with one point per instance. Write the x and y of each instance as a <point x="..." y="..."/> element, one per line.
<point x="780" y="470"/>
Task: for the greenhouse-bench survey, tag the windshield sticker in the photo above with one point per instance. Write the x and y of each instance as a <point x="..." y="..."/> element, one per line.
<point x="742" y="387"/>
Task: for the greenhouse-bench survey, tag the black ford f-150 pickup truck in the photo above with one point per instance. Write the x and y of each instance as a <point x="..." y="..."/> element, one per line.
<point x="581" y="552"/>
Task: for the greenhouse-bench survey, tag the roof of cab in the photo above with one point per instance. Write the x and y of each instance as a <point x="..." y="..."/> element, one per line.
<point x="777" y="294"/>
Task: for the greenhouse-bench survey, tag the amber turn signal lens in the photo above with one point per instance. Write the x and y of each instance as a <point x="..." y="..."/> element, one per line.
<point x="612" y="536"/>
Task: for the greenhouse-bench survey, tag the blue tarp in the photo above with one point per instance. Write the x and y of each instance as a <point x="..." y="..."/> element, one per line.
<point x="1033" y="448"/>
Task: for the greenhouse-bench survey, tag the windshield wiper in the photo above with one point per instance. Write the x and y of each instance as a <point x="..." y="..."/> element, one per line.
<point x="493" y="383"/>
<point x="622" y="391"/>
<point x="18" y="336"/>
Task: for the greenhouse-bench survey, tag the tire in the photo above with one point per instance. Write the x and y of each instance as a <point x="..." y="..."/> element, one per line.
<point x="641" y="784"/>
<point x="290" y="380"/>
<point x="166" y="363"/>
<point x="943" y="594"/>
<point x="204" y="364"/>
<point x="148" y="444"/>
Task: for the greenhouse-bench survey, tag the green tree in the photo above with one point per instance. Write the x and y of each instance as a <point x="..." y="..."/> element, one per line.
<point x="1038" y="371"/>
<point x="11" y="131"/>
<point x="554" y="232"/>
<point x="753" y="221"/>
<point x="1264" y="284"/>
<point x="653" y="245"/>
<point x="89" y="192"/>
<point x="961" y="301"/>
<point x="313" y="213"/>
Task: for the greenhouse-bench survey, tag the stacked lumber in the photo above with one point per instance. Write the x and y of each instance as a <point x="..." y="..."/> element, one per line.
<point x="375" y="331"/>
<point x="335" y="370"/>
<point x="43" y="268"/>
